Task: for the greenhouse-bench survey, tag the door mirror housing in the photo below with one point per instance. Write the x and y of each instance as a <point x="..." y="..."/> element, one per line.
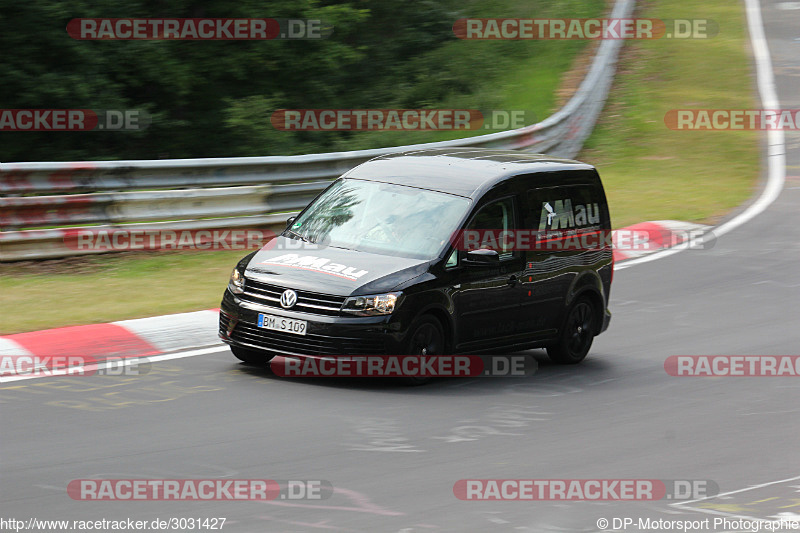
<point x="482" y="257"/>
<point x="289" y="221"/>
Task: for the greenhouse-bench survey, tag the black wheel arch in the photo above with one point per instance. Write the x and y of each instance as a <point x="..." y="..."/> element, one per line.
<point x="588" y="285"/>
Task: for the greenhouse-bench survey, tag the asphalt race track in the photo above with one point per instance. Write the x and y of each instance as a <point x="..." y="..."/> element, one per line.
<point x="393" y="453"/>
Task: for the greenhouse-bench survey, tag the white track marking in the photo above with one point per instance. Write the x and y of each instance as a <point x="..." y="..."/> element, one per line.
<point x="762" y="485"/>
<point x="78" y="370"/>
<point x="776" y="142"/>
<point x="722" y="494"/>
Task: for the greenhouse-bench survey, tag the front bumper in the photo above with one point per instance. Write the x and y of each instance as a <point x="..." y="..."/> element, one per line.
<point x="325" y="335"/>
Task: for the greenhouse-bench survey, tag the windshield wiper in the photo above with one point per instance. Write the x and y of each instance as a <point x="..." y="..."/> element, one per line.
<point x="302" y="238"/>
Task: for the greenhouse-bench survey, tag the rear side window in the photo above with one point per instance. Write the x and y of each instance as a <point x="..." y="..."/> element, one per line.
<point x="564" y="208"/>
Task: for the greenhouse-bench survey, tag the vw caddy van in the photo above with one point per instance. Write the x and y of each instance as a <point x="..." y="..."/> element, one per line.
<point x="438" y="251"/>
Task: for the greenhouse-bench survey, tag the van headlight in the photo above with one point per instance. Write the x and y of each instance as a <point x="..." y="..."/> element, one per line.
<point x="236" y="283"/>
<point x="378" y="304"/>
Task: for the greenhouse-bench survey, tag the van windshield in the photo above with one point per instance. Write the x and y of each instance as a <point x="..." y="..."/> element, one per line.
<point x="381" y="218"/>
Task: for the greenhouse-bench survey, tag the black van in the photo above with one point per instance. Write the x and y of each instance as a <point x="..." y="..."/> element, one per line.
<point x="426" y="252"/>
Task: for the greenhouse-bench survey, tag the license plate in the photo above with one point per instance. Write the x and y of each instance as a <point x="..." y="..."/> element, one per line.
<point x="280" y="323"/>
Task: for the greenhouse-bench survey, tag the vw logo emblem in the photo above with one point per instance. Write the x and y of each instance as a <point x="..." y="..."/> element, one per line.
<point x="288" y="299"/>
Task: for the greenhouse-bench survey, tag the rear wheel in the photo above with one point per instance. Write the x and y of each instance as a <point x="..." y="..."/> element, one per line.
<point x="576" y="335"/>
<point x="253" y="357"/>
<point x="426" y="337"/>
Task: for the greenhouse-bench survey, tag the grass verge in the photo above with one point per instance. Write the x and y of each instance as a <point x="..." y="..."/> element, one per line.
<point x="108" y="287"/>
<point x="653" y="173"/>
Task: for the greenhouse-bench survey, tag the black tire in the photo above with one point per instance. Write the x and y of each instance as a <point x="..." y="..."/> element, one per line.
<point x="576" y="335"/>
<point x="253" y="357"/>
<point x="426" y="337"/>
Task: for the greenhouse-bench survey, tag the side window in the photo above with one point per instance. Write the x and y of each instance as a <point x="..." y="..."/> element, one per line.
<point x="489" y="224"/>
<point x="452" y="260"/>
<point x="563" y="208"/>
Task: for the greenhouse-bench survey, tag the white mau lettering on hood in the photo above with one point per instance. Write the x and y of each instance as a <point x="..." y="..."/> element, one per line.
<point x="317" y="264"/>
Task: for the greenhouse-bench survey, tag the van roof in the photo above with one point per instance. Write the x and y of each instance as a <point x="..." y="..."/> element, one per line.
<point x="462" y="171"/>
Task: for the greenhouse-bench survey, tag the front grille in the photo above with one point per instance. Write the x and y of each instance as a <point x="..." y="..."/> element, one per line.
<point x="307" y="302"/>
<point x="223" y="321"/>
<point x="309" y="344"/>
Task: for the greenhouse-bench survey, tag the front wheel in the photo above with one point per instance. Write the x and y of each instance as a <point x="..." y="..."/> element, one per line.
<point x="576" y="335"/>
<point x="253" y="357"/>
<point x="425" y="337"/>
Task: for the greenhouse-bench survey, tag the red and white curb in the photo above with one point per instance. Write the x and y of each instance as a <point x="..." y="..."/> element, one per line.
<point x="645" y="238"/>
<point x="139" y="337"/>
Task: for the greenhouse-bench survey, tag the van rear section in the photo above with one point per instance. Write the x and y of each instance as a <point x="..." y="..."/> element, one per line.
<point x="574" y="260"/>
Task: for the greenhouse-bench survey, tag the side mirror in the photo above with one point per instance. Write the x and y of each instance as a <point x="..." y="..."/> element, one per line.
<point x="481" y="257"/>
<point x="289" y="221"/>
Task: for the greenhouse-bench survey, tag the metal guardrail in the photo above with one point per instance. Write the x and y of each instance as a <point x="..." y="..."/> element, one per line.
<point x="242" y="191"/>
